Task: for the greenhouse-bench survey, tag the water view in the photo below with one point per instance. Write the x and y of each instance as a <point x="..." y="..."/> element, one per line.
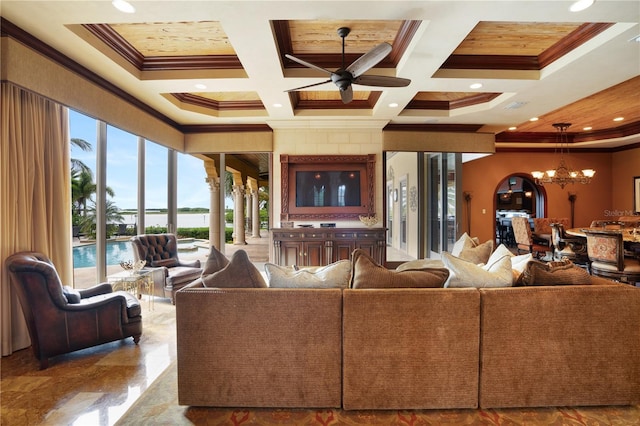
<point x="84" y="256"/>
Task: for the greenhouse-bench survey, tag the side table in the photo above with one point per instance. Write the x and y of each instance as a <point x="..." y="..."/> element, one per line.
<point x="134" y="282"/>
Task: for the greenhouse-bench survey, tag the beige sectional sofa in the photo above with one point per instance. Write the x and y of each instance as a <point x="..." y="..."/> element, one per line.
<point x="409" y="348"/>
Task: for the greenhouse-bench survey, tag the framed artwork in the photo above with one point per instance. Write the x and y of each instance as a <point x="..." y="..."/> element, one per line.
<point x="636" y="194"/>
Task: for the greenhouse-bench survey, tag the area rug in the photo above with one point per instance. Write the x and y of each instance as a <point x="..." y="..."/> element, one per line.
<point x="159" y="406"/>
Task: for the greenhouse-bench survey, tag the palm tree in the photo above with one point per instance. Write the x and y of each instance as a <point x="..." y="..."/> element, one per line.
<point x="88" y="222"/>
<point x="82" y="188"/>
<point x="78" y="165"/>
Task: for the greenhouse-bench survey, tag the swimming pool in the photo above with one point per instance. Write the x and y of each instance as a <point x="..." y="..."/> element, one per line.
<point x="117" y="251"/>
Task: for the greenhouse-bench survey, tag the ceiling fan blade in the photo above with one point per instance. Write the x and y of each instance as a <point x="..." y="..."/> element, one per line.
<point x="346" y="95"/>
<point x="367" y="61"/>
<point x="308" y="85"/>
<point x="382" y="81"/>
<point x="307" y="64"/>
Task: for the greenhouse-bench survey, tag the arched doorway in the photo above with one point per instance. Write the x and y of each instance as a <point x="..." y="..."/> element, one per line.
<point x="516" y="195"/>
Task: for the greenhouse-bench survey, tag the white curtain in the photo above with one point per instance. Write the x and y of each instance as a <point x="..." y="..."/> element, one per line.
<point x="35" y="195"/>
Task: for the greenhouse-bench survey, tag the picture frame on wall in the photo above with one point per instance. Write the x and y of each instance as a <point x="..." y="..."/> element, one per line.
<point x="636" y="194"/>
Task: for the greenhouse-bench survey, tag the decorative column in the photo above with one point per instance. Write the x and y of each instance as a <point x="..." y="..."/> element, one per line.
<point x="238" y="210"/>
<point x="253" y="206"/>
<point x="214" y="203"/>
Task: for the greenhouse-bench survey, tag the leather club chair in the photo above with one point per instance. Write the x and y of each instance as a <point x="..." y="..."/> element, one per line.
<point x="161" y="252"/>
<point x="61" y="319"/>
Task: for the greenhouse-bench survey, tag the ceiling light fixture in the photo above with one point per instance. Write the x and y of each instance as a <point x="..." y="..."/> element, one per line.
<point x="581" y="5"/>
<point x="200" y="86"/>
<point x="476" y="85"/>
<point x="277" y="105"/>
<point x="123" y="6"/>
<point x="586" y="129"/>
<point x="393" y="105"/>
<point x="533" y="119"/>
<point x="618" y="119"/>
<point x="512" y="128"/>
<point x="563" y="174"/>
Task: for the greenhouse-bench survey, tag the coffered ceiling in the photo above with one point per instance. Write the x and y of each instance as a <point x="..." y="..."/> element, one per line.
<point x="222" y="63"/>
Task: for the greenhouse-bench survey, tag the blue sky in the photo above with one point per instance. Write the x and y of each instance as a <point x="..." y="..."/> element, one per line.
<point x="122" y="154"/>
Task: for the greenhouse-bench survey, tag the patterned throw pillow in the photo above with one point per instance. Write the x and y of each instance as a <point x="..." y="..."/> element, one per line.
<point x="553" y="273"/>
<point x="239" y="273"/>
<point x="334" y="275"/>
<point x="215" y="262"/>
<point x="495" y="273"/>
<point x="367" y="273"/>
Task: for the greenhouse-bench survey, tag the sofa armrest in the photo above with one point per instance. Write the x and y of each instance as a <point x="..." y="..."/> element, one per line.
<point x="96" y="290"/>
<point x="191" y="264"/>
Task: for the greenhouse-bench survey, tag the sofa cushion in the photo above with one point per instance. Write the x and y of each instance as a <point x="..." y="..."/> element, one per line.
<point x="495" y="273"/>
<point x="72" y="295"/>
<point x="553" y="273"/>
<point x="367" y="273"/>
<point x="334" y="275"/>
<point x="181" y="274"/>
<point x="238" y="273"/>
<point x="215" y="262"/>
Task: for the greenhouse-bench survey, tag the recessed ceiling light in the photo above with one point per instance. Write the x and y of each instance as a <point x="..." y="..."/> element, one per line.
<point x="581" y="5"/>
<point x="587" y="128"/>
<point x="277" y="105"/>
<point x="533" y="119"/>
<point x="393" y="105"/>
<point x="200" y="86"/>
<point x="123" y="6"/>
<point x="512" y="128"/>
<point x="618" y="119"/>
<point x="476" y="85"/>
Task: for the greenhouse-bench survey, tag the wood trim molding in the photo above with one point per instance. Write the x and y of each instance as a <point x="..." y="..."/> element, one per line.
<point x="203" y="102"/>
<point x="287" y="162"/>
<point x="118" y="44"/>
<point x="444" y="105"/>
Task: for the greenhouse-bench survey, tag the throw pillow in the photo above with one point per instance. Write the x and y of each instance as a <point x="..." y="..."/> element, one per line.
<point x="420" y="264"/>
<point x="553" y="273"/>
<point x="334" y="275"/>
<point x="518" y="263"/>
<point x="496" y="273"/>
<point x="238" y="273"/>
<point x="72" y="295"/>
<point x="367" y="273"/>
<point x="478" y="254"/>
<point x="465" y="241"/>
<point x="215" y="262"/>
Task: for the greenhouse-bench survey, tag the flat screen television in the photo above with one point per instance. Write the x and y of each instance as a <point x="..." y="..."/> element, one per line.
<point x="327" y="187"/>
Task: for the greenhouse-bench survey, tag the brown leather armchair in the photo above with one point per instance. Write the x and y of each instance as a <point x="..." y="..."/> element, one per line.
<point x="61" y="319"/>
<point x="161" y="252"/>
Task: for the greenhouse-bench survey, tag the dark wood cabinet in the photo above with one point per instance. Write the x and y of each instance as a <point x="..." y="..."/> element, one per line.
<point x="322" y="246"/>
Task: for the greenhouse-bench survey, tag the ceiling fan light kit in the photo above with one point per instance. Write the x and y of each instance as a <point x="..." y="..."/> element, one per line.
<point x="344" y="78"/>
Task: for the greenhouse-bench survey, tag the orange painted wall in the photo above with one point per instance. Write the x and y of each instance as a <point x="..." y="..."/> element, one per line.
<point x="481" y="178"/>
<point x="626" y="166"/>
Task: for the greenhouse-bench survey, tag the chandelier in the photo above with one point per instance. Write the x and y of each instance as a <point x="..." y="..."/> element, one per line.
<point x="563" y="174"/>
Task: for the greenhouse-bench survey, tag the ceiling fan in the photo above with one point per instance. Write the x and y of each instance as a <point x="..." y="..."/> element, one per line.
<point x="353" y="74"/>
